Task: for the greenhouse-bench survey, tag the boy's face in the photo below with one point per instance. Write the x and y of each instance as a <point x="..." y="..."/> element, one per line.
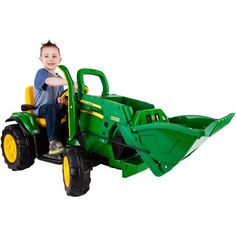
<point x="50" y="57"/>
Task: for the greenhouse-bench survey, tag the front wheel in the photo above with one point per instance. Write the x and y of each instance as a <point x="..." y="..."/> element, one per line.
<point x="17" y="149"/>
<point x="76" y="171"/>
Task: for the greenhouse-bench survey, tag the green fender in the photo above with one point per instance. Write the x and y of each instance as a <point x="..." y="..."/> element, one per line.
<point x="27" y="122"/>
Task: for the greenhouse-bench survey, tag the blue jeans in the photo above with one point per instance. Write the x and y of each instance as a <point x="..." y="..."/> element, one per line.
<point x="53" y="114"/>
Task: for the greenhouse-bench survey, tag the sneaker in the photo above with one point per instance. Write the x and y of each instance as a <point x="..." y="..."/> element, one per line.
<point x="55" y="147"/>
<point x="59" y="144"/>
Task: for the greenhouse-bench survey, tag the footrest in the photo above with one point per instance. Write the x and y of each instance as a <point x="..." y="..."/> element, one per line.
<point x="55" y="159"/>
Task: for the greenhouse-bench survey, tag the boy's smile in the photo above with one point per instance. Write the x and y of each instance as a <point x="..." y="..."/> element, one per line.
<point x="50" y="57"/>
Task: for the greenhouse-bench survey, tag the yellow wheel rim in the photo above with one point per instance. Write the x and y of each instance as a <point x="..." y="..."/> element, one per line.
<point x="10" y="148"/>
<point x="66" y="171"/>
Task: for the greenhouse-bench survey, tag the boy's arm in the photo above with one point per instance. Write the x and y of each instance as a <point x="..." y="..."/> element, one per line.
<point x="54" y="81"/>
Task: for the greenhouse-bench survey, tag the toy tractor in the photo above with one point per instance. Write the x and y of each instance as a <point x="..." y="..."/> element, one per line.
<point x="117" y="131"/>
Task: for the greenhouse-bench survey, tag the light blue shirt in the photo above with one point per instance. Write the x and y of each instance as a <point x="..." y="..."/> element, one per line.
<point x="43" y="93"/>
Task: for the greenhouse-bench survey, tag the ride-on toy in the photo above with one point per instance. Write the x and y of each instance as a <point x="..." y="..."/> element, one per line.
<point x="114" y="130"/>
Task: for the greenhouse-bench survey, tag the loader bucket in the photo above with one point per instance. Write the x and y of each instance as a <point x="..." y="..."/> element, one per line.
<point x="170" y="141"/>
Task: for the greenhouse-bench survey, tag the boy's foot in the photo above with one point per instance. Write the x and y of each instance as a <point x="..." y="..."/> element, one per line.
<point x="55" y="147"/>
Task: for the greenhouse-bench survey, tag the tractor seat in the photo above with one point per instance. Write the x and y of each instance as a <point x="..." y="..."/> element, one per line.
<point x="29" y="106"/>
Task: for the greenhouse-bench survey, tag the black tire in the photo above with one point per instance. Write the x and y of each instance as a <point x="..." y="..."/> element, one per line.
<point x="76" y="171"/>
<point x="17" y="148"/>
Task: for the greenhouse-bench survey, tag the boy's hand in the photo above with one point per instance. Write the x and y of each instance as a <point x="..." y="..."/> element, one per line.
<point x="62" y="101"/>
<point x="76" y="87"/>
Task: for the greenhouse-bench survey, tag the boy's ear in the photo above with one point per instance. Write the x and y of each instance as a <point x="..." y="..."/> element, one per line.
<point x="40" y="58"/>
<point x="60" y="60"/>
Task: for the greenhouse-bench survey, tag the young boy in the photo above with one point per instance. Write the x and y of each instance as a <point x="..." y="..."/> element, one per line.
<point x="47" y="87"/>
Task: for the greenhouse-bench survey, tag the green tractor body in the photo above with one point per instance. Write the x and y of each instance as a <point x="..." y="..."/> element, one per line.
<point x="123" y="133"/>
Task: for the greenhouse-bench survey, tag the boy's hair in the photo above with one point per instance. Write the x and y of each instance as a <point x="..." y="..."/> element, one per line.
<point x="48" y="44"/>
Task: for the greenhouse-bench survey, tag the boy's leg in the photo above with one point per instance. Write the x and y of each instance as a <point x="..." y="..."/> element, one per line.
<point x="52" y="114"/>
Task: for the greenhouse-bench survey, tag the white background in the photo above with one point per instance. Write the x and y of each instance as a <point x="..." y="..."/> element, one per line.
<point x="178" y="55"/>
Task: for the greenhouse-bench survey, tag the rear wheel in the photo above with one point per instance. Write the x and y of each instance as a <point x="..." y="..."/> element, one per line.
<point x="76" y="171"/>
<point x="17" y="149"/>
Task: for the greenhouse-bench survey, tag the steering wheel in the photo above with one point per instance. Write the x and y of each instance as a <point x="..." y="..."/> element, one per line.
<point x="64" y="93"/>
